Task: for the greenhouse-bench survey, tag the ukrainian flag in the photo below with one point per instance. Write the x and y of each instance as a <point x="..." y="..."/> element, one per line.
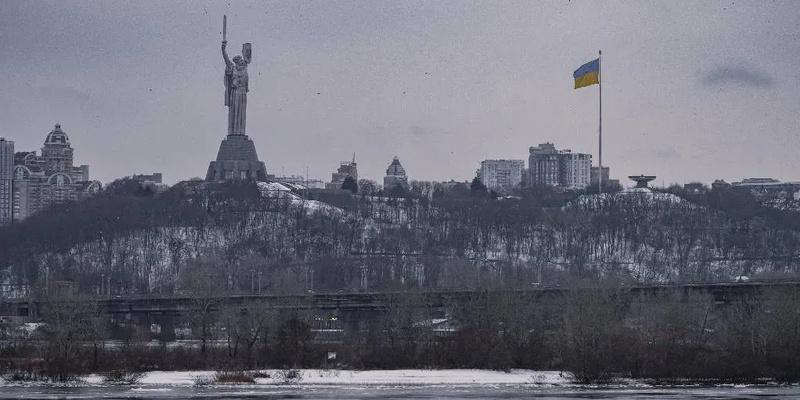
<point x="588" y="74"/>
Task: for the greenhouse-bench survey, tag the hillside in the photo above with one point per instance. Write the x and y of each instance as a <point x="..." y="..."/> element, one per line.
<point x="267" y="238"/>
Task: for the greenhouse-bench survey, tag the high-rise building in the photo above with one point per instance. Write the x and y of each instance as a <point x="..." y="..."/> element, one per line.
<point x="6" y="177"/>
<point x="550" y="166"/>
<point x="543" y="165"/>
<point x="41" y="181"/>
<point x="501" y="175"/>
<point x="395" y="175"/>
<point x="575" y="170"/>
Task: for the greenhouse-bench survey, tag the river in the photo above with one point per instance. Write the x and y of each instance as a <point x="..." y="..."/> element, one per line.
<point x="394" y="392"/>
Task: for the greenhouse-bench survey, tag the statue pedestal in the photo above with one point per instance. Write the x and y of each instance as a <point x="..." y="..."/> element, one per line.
<point x="236" y="160"/>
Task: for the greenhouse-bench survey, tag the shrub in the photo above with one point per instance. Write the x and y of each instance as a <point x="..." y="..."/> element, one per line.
<point x="24" y="376"/>
<point x="204" y="380"/>
<point x="288" y="376"/>
<point x="121" y="377"/>
<point x="228" y="377"/>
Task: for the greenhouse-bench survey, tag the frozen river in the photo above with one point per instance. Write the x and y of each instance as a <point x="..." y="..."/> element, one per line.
<point x="382" y="384"/>
<point x="394" y="392"/>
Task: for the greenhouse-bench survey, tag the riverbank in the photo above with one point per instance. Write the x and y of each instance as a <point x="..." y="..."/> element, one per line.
<point x="373" y="378"/>
<point x="404" y="377"/>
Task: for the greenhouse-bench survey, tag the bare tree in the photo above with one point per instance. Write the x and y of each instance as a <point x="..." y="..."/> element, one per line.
<point x="70" y="321"/>
<point x="205" y="282"/>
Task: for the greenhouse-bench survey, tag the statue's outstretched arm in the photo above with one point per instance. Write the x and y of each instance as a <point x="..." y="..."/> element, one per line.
<point x="228" y="62"/>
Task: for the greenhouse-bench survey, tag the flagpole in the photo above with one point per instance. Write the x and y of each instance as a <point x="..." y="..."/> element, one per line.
<point x="600" y="126"/>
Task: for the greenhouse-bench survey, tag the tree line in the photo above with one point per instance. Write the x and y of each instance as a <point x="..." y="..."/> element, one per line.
<point x="598" y="332"/>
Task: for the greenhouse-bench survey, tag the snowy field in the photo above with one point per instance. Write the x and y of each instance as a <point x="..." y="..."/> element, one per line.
<point x="347" y="377"/>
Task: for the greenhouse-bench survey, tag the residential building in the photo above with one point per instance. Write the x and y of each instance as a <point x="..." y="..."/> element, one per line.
<point x="41" y="181"/>
<point x="574" y="170"/>
<point x="6" y="178"/>
<point x="550" y="166"/>
<point x="501" y="175"/>
<point x="543" y="165"/>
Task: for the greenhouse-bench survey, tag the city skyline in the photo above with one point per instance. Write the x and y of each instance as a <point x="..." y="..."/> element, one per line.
<point x="438" y="85"/>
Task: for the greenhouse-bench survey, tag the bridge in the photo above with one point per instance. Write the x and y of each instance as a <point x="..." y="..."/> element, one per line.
<point x="335" y="315"/>
<point x="722" y="293"/>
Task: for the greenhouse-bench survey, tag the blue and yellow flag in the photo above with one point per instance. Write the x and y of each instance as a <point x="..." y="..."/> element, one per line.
<point x="587" y="74"/>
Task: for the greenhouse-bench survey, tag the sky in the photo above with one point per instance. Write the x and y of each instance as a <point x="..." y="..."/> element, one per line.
<point x="692" y="91"/>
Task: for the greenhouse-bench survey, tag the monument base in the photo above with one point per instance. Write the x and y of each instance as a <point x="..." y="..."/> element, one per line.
<point x="236" y="160"/>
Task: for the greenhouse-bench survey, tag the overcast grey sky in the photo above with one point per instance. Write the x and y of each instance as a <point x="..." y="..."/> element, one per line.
<point x="692" y="90"/>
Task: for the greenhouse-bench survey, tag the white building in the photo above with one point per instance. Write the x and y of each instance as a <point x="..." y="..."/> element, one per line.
<point x="576" y="170"/>
<point x="501" y="175"/>
<point x="6" y="179"/>
<point x="550" y="166"/>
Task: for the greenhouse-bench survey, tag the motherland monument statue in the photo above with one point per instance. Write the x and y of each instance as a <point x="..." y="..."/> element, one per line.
<point x="237" y="158"/>
<point x="236" y="88"/>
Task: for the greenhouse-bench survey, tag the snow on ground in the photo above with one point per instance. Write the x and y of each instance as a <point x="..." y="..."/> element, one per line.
<point x="430" y="377"/>
<point x="402" y="377"/>
<point x="279" y="191"/>
<point x="644" y="195"/>
<point x="175" y="378"/>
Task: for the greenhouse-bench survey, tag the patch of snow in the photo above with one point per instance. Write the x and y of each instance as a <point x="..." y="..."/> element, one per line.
<point x="431" y="377"/>
<point x="272" y="187"/>
<point x="93" y="379"/>
<point x="31" y="327"/>
<point x="280" y="191"/>
<point x="174" y="378"/>
<point x="465" y="377"/>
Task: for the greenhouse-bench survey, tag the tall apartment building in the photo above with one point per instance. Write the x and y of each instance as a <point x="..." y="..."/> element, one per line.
<point x="550" y="166"/>
<point x="6" y="178"/>
<point x="575" y="170"/>
<point x="543" y="165"/>
<point x="501" y="175"/>
<point x="40" y="181"/>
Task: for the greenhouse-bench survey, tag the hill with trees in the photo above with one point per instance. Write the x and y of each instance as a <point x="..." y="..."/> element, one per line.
<point x="132" y="241"/>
